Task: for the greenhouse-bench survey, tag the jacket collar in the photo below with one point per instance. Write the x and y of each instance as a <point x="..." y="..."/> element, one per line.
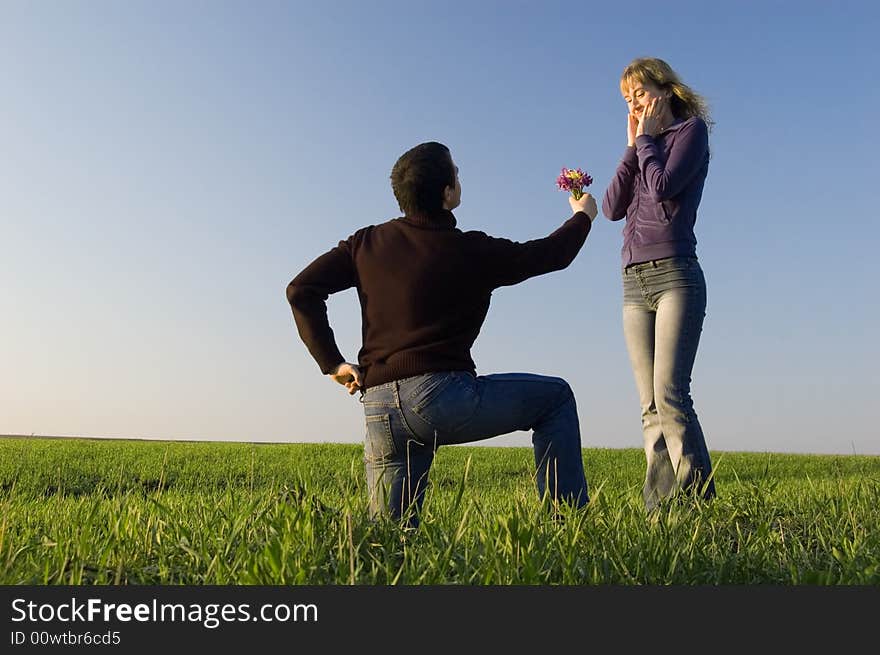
<point x="441" y="219"/>
<point x="674" y="125"/>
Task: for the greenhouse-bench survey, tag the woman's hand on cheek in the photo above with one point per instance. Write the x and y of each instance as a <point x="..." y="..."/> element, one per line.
<point x="632" y="125"/>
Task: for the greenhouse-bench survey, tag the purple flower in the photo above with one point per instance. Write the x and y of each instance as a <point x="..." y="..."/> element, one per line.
<point x="574" y="180"/>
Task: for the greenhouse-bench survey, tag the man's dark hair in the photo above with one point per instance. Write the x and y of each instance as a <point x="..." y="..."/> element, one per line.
<point x="420" y="176"/>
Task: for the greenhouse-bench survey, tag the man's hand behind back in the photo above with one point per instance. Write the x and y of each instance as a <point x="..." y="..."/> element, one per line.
<point x="349" y="376"/>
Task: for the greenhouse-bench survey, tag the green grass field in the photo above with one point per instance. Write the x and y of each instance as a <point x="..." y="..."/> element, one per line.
<point x="79" y="511"/>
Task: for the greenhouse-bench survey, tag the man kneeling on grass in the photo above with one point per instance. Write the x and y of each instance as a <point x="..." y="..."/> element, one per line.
<point x="424" y="288"/>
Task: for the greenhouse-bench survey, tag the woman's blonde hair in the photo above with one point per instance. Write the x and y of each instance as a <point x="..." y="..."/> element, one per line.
<point x="685" y="101"/>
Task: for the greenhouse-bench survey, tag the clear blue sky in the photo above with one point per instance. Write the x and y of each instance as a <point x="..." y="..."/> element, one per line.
<point x="166" y="168"/>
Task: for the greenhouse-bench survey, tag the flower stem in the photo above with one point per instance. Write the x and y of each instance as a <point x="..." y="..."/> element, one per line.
<point x="577" y="194"/>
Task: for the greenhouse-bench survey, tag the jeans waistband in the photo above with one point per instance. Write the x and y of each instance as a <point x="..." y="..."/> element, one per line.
<point x="656" y="263"/>
<point x="393" y="383"/>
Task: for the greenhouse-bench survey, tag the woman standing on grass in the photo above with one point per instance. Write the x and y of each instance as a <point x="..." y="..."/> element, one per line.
<point x="657" y="187"/>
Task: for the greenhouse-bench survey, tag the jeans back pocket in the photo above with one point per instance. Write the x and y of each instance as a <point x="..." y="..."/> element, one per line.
<point x="448" y="405"/>
<point x="379" y="446"/>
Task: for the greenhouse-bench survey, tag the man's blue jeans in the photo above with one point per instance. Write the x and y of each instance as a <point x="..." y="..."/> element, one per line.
<point x="664" y="303"/>
<point x="407" y="420"/>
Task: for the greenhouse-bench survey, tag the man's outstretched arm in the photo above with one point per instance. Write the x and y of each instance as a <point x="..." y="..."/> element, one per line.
<point x="511" y="262"/>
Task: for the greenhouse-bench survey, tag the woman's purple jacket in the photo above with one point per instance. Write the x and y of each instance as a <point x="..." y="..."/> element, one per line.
<point x="658" y="187"/>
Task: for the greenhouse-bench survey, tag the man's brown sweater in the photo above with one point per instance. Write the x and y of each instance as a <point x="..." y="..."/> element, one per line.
<point x="424" y="289"/>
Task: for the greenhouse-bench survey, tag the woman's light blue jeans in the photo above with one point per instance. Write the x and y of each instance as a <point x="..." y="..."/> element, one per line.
<point x="408" y="420"/>
<point x="664" y="303"/>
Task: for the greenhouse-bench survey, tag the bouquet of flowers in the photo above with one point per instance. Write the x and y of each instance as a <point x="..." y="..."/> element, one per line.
<point x="574" y="180"/>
